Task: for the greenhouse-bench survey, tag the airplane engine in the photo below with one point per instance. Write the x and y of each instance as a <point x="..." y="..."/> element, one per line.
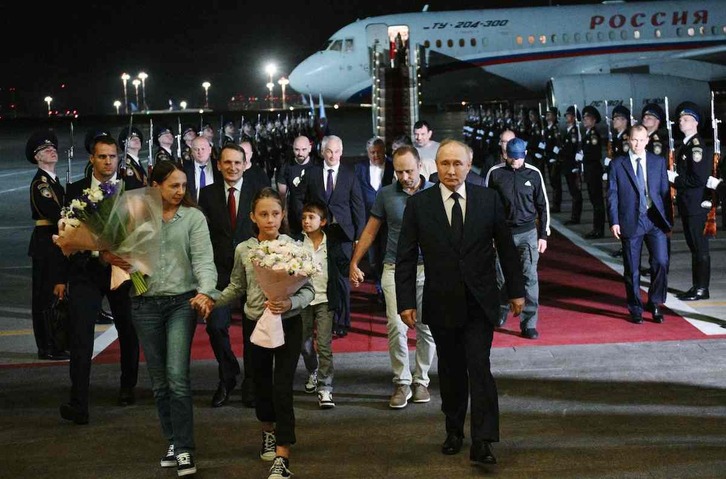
<point x="619" y="88"/>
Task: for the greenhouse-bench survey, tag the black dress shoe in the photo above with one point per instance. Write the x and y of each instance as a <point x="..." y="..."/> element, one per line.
<point x="126" y="396"/>
<point x="594" y="234"/>
<point x="104" y="317"/>
<point x="54" y="355"/>
<point x="452" y="444"/>
<point x="481" y="453"/>
<point x="636" y="318"/>
<point x="70" y="413"/>
<point x="221" y="396"/>
<point x="617" y="253"/>
<point x="530" y="333"/>
<point x="694" y="294"/>
<point x="657" y="314"/>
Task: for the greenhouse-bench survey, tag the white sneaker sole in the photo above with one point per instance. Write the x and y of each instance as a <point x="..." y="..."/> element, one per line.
<point x="186" y="472"/>
<point x="401" y="406"/>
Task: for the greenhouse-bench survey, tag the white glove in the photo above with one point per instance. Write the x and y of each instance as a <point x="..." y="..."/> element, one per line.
<point x="538" y="156"/>
<point x="556" y="150"/>
<point x="575" y="170"/>
<point x="552" y="160"/>
<point x="672" y="175"/>
<point x="579" y="156"/>
<point x="706" y="204"/>
<point x="713" y="182"/>
<point x="606" y="161"/>
<point x="541" y="145"/>
<point x="604" y="176"/>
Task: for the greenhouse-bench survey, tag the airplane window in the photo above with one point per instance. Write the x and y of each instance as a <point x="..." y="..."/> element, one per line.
<point x="565" y="38"/>
<point x="336" y="46"/>
<point x="679" y="31"/>
<point x="588" y="36"/>
<point x="462" y="43"/>
<point x="473" y="42"/>
<point x="348" y="47"/>
<point x="427" y="44"/>
<point x="691" y="32"/>
<point x="600" y="36"/>
<point x="624" y="34"/>
<point x="554" y="38"/>
<point x="326" y="45"/>
<point x="530" y="39"/>
<point x="450" y="43"/>
<point x="702" y="30"/>
<point x="714" y="30"/>
<point x="543" y="39"/>
<point x="519" y="40"/>
<point x="636" y="34"/>
<point x="438" y="43"/>
<point x="577" y="37"/>
<point x="657" y="33"/>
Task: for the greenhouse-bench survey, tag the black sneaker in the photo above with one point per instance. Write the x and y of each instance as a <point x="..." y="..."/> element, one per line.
<point x="269" y="444"/>
<point x="280" y="468"/>
<point x="530" y="333"/>
<point x="169" y="460"/>
<point x="185" y="464"/>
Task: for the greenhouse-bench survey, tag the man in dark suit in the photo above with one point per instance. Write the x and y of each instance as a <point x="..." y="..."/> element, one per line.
<point x="639" y="209"/>
<point x="89" y="280"/>
<point x="335" y="184"/>
<point x="202" y="170"/>
<point x="456" y="226"/>
<point x="373" y="175"/>
<point x="226" y="205"/>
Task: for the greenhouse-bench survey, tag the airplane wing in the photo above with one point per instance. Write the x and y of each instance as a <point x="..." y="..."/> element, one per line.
<point x="716" y="55"/>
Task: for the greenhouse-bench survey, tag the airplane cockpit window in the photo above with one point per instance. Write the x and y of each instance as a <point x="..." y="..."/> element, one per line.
<point x="348" y="45"/>
<point x="326" y="45"/>
<point x="336" y="46"/>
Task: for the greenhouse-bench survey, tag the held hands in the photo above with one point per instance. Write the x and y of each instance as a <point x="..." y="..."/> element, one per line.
<point x="279" y="307"/>
<point x="203" y="304"/>
<point x="672" y="175"/>
<point x="356" y="276"/>
<point x="516" y="305"/>
<point x="408" y="317"/>
<point x="713" y="182"/>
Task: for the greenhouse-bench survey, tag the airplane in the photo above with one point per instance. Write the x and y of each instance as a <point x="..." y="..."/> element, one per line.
<point x="622" y="52"/>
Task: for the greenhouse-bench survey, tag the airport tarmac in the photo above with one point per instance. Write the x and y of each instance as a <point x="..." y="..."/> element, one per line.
<point x="627" y="410"/>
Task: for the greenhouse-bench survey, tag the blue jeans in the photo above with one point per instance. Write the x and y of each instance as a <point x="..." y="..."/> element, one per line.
<point x="317" y="324"/>
<point x="165" y="326"/>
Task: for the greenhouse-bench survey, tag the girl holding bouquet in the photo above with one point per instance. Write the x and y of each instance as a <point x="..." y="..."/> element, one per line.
<point x="163" y="316"/>
<point x="274" y="368"/>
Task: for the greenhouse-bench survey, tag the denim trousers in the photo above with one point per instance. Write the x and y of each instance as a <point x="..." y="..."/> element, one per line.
<point x="317" y="344"/>
<point x="398" y="332"/>
<point x="165" y="326"/>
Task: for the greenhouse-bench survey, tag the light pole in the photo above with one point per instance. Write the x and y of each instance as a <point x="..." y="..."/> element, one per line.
<point x="117" y="104"/>
<point x="136" y="84"/>
<point x="48" y="100"/>
<point x="270" y="69"/>
<point x="124" y="78"/>
<point x="143" y="76"/>
<point x="206" y="86"/>
<point x="283" y="83"/>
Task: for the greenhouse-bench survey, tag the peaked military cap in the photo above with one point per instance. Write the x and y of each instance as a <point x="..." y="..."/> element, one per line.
<point x="92" y="136"/>
<point x="688" y="108"/>
<point x="621" y="111"/>
<point x="39" y="141"/>
<point x="161" y="130"/>
<point x="554" y="111"/>
<point x="571" y="111"/>
<point x="187" y="128"/>
<point x="653" y="109"/>
<point x="125" y="133"/>
<point x="593" y="112"/>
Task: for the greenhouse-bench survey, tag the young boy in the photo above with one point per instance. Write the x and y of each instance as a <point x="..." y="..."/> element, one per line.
<point x="318" y="315"/>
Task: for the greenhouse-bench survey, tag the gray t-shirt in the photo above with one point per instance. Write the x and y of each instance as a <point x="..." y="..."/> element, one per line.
<point x="388" y="207"/>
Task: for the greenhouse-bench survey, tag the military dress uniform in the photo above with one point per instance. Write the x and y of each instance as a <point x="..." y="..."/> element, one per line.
<point x="571" y="168"/>
<point x="161" y="154"/>
<point x="553" y="164"/>
<point x="47" y="197"/>
<point x="593" y="171"/>
<point x="135" y="175"/>
<point x="694" y="163"/>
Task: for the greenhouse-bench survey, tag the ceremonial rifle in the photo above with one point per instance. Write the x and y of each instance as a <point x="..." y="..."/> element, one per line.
<point x="178" y="141"/>
<point x="580" y="153"/>
<point x="671" y="154"/>
<point x="70" y="158"/>
<point x="543" y="138"/>
<point x="241" y="128"/>
<point x="122" y="162"/>
<point x="710" y="227"/>
<point x="150" y="165"/>
<point x="609" y="148"/>
<point x="221" y="131"/>
<point x="632" y="118"/>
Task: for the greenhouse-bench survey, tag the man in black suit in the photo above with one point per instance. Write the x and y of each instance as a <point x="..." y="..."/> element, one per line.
<point x="456" y="226"/>
<point x="226" y="204"/>
<point x="202" y="170"/>
<point x="89" y="280"/>
<point x="335" y="184"/>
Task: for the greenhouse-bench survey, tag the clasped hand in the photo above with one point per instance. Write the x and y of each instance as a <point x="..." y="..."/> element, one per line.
<point x="203" y="304"/>
<point x="356" y="276"/>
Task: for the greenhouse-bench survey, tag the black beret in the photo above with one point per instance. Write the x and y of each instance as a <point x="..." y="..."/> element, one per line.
<point x="571" y="111"/>
<point x="38" y="141"/>
<point x="688" y="108"/>
<point x="620" y="110"/>
<point x="653" y="109"/>
<point x="592" y="111"/>
<point x="91" y="137"/>
<point x="125" y="132"/>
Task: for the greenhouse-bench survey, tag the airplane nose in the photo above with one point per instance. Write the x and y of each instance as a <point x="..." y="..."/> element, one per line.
<point x="297" y="78"/>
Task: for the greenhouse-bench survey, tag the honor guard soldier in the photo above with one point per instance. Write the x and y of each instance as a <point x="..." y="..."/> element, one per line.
<point x="552" y="157"/>
<point x="571" y="149"/>
<point x="91" y="136"/>
<point x="619" y="145"/>
<point x="593" y="170"/>
<point x="535" y="139"/>
<point x="651" y="118"/>
<point x="229" y="131"/>
<point x="188" y="134"/>
<point x="693" y="167"/>
<point x="47" y="197"/>
<point x="207" y="132"/>
<point x="130" y="141"/>
<point x="164" y="144"/>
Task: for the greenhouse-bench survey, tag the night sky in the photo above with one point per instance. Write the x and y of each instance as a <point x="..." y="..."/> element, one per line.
<point x="76" y="51"/>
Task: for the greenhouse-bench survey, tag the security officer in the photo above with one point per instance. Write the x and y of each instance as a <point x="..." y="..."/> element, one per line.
<point x="91" y="136"/>
<point x="593" y="170"/>
<point x="523" y="193"/>
<point x="164" y="142"/>
<point x="130" y="141"/>
<point x="552" y="157"/>
<point x="693" y="167"/>
<point x="47" y="197"/>
<point x="571" y="163"/>
<point x="651" y="118"/>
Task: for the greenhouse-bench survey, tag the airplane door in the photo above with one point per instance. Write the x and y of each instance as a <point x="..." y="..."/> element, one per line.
<point x="377" y="39"/>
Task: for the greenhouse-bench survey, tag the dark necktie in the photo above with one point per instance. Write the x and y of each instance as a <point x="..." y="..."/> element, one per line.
<point x="202" y="177"/>
<point x="232" y="207"/>
<point x="329" y="185"/>
<point x="641" y="187"/>
<point x="457" y="221"/>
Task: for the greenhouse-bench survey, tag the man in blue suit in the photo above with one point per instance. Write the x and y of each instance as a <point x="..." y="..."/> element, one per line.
<point x="640" y="210"/>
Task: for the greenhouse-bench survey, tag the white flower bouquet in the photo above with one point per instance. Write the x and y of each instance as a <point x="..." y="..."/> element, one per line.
<point x="281" y="268"/>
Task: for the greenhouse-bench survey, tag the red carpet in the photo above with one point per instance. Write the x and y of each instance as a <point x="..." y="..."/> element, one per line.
<point x="582" y="301"/>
